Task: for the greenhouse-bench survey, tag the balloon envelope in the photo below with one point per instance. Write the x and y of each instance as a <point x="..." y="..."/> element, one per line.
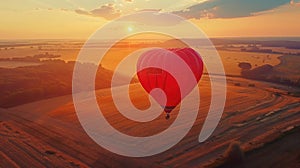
<point x="153" y="78"/>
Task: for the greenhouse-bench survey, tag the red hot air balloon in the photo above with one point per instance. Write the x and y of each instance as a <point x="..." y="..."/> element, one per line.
<point x="153" y="77"/>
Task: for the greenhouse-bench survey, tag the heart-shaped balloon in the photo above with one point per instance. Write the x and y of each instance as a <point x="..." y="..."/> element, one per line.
<point x="157" y="78"/>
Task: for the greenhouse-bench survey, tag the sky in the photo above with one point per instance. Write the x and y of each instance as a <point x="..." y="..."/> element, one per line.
<point x="78" y="19"/>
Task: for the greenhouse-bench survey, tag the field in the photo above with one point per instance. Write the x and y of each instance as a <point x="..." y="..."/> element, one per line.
<point x="48" y="133"/>
<point x="68" y="51"/>
<point x="231" y="59"/>
<point x="43" y="130"/>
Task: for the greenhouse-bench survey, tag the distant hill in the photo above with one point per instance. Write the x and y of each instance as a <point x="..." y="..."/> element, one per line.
<point x="51" y="79"/>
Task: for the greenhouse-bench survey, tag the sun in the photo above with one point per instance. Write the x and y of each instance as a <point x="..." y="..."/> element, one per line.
<point x="129" y="29"/>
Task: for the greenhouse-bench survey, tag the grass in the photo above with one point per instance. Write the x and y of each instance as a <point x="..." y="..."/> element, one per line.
<point x="233" y="156"/>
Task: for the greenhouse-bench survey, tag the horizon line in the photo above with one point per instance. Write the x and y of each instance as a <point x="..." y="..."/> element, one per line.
<point x="213" y="37"/>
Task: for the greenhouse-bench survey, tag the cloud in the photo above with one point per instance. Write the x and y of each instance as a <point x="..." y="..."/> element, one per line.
<point x="52" y="9"/>
<point x="150" y="10"/>
<point x="107" y="11"/>
<point x="229" y="8"/>
<point x="154" y="18"/>
<point x="295" y="3"/>
<point x="64" y="9"/>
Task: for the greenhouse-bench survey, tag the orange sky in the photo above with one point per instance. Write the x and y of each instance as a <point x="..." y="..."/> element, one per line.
<point x="40" y="20"/>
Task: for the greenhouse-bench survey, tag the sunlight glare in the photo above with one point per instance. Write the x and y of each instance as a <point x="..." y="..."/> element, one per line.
<point x="130" y="29"/>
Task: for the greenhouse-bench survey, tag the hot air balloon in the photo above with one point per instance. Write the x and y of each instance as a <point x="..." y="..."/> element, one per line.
<point x="153" y="77"/>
